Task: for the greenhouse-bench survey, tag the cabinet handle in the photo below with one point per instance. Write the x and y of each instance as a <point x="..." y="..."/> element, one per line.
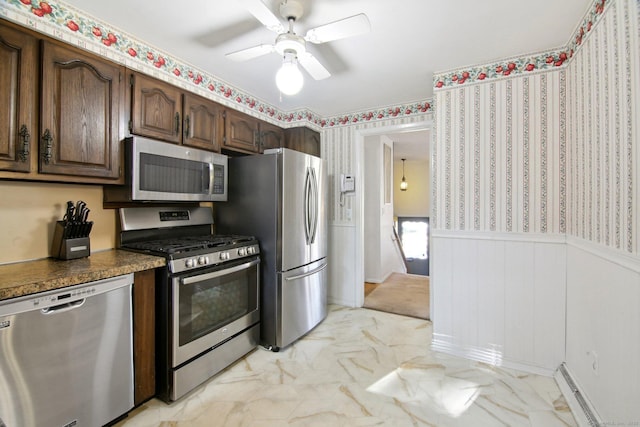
<point x="26" y="142"/>
<point x="256" y="138"/>
<point x="186" y="127"/>
<point x="48" y="146"/>
<point x="177" y="123"/>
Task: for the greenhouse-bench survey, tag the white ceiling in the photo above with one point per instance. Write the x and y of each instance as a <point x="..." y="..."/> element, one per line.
<point x="391" y="65"/>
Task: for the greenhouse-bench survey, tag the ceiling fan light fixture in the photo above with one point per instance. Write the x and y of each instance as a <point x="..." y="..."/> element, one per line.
<point x="289" y="79"/>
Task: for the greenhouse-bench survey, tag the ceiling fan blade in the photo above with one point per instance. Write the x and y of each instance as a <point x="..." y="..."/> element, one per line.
<point x="251" y="52"/>
<point x="313" y="66"/>
<point x="262" y="13"/>
<point x="343" y="28"/>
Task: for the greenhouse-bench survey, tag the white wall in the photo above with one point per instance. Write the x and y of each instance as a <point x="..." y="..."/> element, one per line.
<point x="373" y="180"/>
<point x="603" y="329"/>
<point x="500" y="298"/>
<point x="380" y="255"/>
<point x="416" y="200"/>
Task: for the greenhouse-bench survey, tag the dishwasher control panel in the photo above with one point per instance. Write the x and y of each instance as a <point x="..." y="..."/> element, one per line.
<point x="62" y="297"/>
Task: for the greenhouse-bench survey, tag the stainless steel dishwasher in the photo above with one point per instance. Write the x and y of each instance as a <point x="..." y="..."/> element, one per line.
<point x="66" y="356"/>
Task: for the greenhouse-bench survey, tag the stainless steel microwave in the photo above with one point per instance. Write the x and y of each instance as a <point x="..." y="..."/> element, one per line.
<point x="159" y="171"/>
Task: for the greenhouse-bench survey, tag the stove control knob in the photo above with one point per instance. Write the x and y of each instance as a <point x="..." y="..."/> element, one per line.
<point x="224" y="256"/>
<point x="250" y="250"/>
<point x="242" y="251"/>
<point x="202" y="260"/>
<point x="190" y="262"/>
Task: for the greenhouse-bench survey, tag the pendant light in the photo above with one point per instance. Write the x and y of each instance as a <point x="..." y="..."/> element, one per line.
<point x="404" y="184"/>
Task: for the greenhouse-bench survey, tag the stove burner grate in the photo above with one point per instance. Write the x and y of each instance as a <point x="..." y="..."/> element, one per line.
<point x="186" y="244"/>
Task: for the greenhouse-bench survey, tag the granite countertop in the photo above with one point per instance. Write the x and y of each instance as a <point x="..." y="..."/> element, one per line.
<point x="31" y="277"/>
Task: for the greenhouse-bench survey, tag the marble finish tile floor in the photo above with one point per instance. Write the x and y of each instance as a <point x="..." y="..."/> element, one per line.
<point x="363" y="368"/>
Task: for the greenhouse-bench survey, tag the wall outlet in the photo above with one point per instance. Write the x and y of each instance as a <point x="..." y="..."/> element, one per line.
<point x="348" y="213"/>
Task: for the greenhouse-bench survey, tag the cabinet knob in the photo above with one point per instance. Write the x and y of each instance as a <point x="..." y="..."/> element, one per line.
<point x="48" y="146"/>
<point x="26" y="142"/>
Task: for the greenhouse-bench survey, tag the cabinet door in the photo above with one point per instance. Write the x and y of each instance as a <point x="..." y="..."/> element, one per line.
<point x="18" y="98"/>
<point x="241" y="131"/>
<point x="82" y="105"/>
<point x="311" y="142"/>
<point x="271" y="136"/>
<point x="156" y="108"/>
<point x="202" y="127"/>
<point x="303" y="139"/>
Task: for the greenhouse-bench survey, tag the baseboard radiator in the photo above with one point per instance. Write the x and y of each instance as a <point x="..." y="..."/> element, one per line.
<point x="587" y="416"/>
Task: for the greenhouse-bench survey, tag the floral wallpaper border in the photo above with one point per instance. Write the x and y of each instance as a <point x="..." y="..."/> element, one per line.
<point x="66" y="23"/>
<point x="525" y="64"/>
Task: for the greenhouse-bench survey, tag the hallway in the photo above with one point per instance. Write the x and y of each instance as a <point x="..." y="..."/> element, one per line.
<point x="404" y="294"/>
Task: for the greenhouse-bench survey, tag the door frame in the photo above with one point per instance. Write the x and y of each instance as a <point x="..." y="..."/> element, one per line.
<point x="359" y="136"/>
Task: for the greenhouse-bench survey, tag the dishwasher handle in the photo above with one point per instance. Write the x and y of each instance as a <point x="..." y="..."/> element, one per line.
<point x="61" y="308"/>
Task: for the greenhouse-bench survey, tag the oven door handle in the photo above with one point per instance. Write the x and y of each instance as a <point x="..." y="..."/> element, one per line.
<point x="221" y="272"/>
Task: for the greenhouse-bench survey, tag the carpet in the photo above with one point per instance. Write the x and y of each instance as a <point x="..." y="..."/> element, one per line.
<point x="404" y="294"/>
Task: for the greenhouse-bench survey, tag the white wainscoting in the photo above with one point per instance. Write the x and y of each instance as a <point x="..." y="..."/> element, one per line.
<point x="500" y="298"/>
<point x="603" y="329"/>
<point x="342" y="273"/>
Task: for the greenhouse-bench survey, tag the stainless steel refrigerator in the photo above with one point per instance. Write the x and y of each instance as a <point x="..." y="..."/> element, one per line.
<point x="279" y="197"/>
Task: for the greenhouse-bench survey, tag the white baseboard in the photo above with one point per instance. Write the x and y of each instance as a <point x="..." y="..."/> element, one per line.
<point x="582" y="409"/>
<point x="491" y="356"/>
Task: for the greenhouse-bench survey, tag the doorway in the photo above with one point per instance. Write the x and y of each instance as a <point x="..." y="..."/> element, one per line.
<point x="416" y="192"/>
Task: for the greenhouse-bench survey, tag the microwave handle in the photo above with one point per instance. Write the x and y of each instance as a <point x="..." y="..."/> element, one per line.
<point x="211" y="178"/>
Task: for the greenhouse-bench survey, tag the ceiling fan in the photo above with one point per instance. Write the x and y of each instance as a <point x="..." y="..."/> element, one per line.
<point x="291" y="46"/>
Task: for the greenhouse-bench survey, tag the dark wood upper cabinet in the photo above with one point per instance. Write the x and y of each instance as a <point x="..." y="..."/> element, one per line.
<point x="202" y="124"/>
<point x="241" y="132"/>
<point x="303" y="139"/>
<point x="82" y="103"/>
<point x="162" y="111"/>
<point x="247" y="134"/>
<point x="18" y="99"/>
<point x="156" y="109"/>
<point x="271" y="136"/>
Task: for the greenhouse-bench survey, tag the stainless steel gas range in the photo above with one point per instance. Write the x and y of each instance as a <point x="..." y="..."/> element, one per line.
<point x="207" y="298"/>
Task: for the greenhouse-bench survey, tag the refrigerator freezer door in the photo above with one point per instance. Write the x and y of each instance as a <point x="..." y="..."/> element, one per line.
<point x="303" y="193"/>
<point x="303" y="303"/>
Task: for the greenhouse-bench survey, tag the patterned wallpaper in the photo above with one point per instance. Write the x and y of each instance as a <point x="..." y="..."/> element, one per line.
<point x="338" y="145"/>
<point x="548" y="151"/>
<point x="498" y="156"/>
<point x="602" y="89"/>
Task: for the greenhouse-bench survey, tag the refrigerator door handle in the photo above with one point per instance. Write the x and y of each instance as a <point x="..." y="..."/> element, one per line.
<point x="309" y="273"/>
<point x="314" y="205"/>
<point x="307" y="210"/>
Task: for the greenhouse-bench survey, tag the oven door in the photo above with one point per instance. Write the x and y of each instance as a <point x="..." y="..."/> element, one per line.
<point x="213" y="305"/>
